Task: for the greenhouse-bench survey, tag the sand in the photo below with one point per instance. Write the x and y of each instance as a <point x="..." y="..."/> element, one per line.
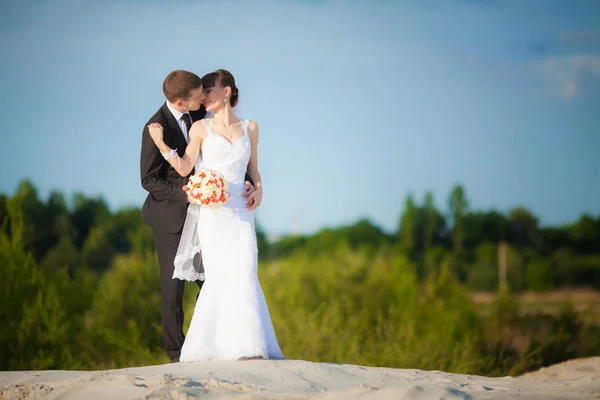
<point x="294" y="379"/>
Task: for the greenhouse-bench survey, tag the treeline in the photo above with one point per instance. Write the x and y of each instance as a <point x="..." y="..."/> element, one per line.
<point x="80" y="288"/>
<point x="538" y="258"/>
<point x="81" y="231"/>
<point x="85" y="232"/>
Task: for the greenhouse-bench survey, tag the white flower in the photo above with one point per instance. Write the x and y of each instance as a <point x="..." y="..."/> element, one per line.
<point x="195" y="179"/>
<point x="196" y="191"/>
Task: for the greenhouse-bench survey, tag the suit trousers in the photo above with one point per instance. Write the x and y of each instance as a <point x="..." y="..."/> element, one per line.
<point x="171" y="291"/>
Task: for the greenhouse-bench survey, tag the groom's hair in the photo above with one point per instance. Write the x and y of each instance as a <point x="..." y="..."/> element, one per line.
<point x="179" y="83"/>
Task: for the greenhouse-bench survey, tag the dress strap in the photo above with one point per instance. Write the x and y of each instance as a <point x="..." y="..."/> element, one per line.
<point x="208" y="125"/>
<point x="245" y="126"/>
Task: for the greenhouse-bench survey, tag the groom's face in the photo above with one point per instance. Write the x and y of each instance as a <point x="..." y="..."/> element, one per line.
<point x="194" y="100"/>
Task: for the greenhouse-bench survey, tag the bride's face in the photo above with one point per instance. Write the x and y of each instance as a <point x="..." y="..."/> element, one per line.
<point x="214" y="97"/>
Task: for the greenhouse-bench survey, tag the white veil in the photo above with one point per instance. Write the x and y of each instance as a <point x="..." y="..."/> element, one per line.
<point x="188" y="260"/>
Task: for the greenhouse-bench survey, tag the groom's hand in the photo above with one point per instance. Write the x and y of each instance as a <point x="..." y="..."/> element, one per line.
<point x="248" y="193"/>
<point x="249" y="189"/>
<point x="254" y="199"/>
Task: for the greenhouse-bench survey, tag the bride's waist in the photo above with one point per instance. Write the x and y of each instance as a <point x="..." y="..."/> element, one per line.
<point x="236" y="200"/>
<point x="235" y="188"/>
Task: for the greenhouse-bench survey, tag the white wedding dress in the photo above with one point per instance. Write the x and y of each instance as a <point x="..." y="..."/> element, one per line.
<point x="231" y="319"/>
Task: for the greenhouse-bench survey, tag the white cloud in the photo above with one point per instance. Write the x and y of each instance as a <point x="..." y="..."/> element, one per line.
<point x="569" y="77"/>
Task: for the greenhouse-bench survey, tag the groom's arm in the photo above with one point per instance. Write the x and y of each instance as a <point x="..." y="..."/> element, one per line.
<point x="249" y="178"/>
<point x="151" y="162"/>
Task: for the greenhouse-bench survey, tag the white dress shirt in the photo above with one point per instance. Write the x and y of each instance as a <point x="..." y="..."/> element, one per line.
<point x="178" y="115"/>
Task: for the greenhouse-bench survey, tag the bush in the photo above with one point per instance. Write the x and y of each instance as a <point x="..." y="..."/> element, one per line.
<point x="539" y="276"/>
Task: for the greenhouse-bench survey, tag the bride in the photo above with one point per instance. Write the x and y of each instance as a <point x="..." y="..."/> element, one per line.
<point x="231" y="320"/>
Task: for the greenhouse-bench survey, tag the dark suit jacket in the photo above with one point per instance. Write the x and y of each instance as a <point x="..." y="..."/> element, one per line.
<point x="165" y="207"/>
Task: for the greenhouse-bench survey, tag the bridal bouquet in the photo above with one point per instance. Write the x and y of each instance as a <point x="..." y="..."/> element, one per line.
<point x="207" y="188"/>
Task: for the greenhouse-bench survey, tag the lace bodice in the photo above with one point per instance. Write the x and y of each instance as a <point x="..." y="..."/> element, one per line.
<point x="229" y="158"/>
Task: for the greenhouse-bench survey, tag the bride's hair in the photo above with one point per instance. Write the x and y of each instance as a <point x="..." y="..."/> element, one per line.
<point x="224" y="78"/>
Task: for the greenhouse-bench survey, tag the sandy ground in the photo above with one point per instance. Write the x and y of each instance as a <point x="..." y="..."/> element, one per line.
<point x="290" y="379"/>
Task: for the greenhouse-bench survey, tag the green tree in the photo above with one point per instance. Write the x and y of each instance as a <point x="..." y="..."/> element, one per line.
<point x="123" y="325"/>
<point x="431" y="222"/>
<point x="262" y="242"/>
<point x="98" y="249"/>
<point x="36" y="228"/>
<point x="482" y="227"/>
<point x="62" y="256"/>
<point x="585" y="235"/>
<point x="41" y="322"/>
<point x="120" y="226"/>
<point x="483" y="274"/>
<point x="458" y="208"/>
<point x="516" y="269"/>
<point x="86" y="213"/>
<point x="524" y="228"/>
<point x="407" y="230"/>
<point x="539" y="275"/>
<point x="563" y="260"/>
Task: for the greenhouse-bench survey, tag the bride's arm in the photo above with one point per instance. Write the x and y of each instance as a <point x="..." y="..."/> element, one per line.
<point x="183" y="165"/>
<point x="255" y="198"/>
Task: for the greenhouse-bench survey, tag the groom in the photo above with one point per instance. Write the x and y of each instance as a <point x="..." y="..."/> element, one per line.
<point x="166" y="205"/>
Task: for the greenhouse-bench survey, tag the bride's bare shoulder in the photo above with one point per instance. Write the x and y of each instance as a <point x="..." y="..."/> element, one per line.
<point x="252" y="128"/>
<point x="198" y="129"/>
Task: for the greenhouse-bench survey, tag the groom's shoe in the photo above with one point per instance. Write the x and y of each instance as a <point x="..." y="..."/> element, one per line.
<point x="174" y="360"/>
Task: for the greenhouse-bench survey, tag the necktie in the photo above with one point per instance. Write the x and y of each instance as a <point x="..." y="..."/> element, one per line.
<point x="188" y="124"/>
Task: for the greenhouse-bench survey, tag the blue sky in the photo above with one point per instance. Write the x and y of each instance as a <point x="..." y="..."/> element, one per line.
<point x="359" y="102"/>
